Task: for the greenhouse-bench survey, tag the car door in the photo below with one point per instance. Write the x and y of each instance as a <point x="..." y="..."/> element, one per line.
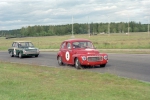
<point x="16" y="49"/>
<point x="68" y="54"/>
<point x="63" y="52"/>
<point x="11" y="49"/>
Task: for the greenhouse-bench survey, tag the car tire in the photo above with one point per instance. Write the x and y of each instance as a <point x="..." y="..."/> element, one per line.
<point x="36" y="55"/>
<point x="77" y="64"/>
<point x="20" y="55"/>
<point x="60" y="61"/>
<point x="11" y="54"/>
<point x="103" y="65"/>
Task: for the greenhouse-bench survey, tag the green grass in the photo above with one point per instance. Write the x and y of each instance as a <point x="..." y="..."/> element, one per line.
<point x="31" y="82"/>
<point x="105" y="41"/>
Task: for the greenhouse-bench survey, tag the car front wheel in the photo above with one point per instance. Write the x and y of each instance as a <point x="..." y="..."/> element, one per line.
<point x="60" y="61"/>
<point x="77" y="64"/>
<point x="20" y="55"/>
<point x="103" y="65"/>
<point x="36" y="55"/>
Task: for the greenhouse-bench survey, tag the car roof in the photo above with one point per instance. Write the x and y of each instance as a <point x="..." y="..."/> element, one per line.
<point x="22" y="41"/>
<point x="75" y="40"/>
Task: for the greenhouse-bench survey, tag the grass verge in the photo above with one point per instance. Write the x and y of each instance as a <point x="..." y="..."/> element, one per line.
<point x="31" y="82"/>
<point x="137" y="40"/>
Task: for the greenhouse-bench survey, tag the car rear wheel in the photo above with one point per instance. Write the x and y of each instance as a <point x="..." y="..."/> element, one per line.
<point x="20" y="55"/>
<point x="60" y="61"/>
<point x="11" y="54"/>
<point x="77" y="64"/>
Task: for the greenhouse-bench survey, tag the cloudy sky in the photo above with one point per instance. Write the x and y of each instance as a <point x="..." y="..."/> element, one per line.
<point x="15" y="14"/>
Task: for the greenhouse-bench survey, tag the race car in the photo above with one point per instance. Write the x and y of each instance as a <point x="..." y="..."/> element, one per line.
<point x="80" y="52"/>
<point x="22" y="49"/>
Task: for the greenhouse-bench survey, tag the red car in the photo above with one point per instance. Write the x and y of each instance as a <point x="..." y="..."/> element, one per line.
<point x="80" y="52"/>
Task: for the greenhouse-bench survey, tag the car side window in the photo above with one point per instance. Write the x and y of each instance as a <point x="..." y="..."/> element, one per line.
<point x="63" y="45"/>
<point x="13" y="45"/>
<point x="68" y="45"/>
<point x="16" y="45"/>
<point x="19" y="45"/>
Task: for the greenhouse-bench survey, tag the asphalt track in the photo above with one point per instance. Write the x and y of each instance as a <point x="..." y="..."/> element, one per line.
<point x="135" y="66"/>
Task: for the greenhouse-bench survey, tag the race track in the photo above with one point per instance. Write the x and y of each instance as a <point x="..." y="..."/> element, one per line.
<point x="135" y="66"/>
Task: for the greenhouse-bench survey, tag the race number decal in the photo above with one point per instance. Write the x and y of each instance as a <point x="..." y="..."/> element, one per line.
<point x="14" y="51"/>
<point x="67" y="56"/>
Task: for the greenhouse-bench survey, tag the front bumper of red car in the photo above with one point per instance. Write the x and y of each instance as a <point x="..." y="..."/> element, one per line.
<point x="93" y="60"/>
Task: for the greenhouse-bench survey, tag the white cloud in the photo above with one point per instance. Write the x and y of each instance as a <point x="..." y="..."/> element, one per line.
<point x="15" y="14"/>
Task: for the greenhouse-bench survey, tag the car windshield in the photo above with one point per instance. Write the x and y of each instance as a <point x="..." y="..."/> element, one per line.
<point x="25" y="44"/>
<point x="83" y="44"/>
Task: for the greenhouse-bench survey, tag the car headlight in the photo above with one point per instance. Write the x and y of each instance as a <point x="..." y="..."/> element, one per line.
<point x="38" y="50"/>
<point x="24" y="51"/>
<point x="106" y="57"/>
<point x="83" y="58"/>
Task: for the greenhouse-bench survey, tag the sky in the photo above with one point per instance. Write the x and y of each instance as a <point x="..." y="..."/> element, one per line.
<point x="15" y="14"/>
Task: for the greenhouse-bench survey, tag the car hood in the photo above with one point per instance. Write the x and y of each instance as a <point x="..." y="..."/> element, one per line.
<point x="87" y="51"/>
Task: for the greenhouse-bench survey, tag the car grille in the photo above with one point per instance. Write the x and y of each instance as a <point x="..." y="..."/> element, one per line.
<point x="91" y="59"/>
<point x="32" y="50"/>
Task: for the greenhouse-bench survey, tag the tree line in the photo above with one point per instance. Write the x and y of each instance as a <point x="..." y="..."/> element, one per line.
<point x="78" y="28"/>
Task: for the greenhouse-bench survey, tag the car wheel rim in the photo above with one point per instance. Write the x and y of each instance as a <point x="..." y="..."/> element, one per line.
<point x="77" y="63"/>
<point x="19" y="55"/>
<point x="59" y="60"/>
<point x="10" y="54"/>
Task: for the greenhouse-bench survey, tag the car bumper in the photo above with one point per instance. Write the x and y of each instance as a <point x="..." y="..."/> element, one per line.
<point x="93" y="63"/>
<point x="30" y="53"/>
